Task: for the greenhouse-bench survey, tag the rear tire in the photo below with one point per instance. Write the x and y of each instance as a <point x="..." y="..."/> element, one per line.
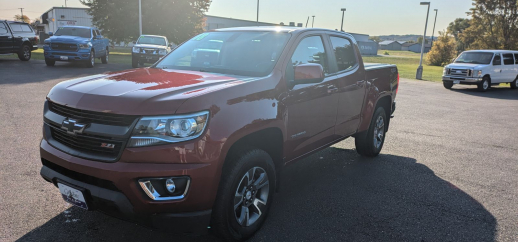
<point x="25" y="53"/>
<point x="50" y="62"/>
<point x="514" y="84"/>
<point x="447" y="84"/>
<point x="104" y="59"/>
<point x="91" y="61"/>
<point x="485" y="84"/>
<point x="370" y="142"/>
<point x="239" y="196"/>
<point x="134" y="63"/>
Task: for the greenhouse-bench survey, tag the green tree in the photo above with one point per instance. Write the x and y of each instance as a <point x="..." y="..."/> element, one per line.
<point x="19" y="17"/>
<point x="443" y="50"/>
<point x="178" y="20"/>
<point x="420" y="40"/>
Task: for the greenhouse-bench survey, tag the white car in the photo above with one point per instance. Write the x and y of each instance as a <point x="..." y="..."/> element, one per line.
<point x="482" y="68"/>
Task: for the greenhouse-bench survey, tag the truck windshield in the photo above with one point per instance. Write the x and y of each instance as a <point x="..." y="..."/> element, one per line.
<point x="148" y="40"/>
<point x="475" y="57"/>
<point x="238" y="53"/>
<point x="79" y="32"/>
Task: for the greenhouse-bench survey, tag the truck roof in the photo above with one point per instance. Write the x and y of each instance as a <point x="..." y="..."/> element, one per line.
<point x="283" y="29"/>
<point x="491" y="51"/>
<point x="13" y="21"/>
<point x="78" y="27"/>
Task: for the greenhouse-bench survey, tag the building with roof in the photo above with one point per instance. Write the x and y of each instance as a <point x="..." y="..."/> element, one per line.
<point x="416" y="47"/>
<point x="390" y="45"/>
<point x="64" y="16"/>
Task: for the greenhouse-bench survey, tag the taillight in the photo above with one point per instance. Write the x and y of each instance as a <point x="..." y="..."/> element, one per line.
<point x="397" y="88"/>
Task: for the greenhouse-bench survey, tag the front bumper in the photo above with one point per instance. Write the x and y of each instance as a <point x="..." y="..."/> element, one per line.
<point x="56" y="55"/>
<point x="462" y="80"/>
<point x="112" y="188"/>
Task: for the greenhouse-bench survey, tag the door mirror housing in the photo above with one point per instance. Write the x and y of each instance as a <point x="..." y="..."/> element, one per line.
<point x="308" y="73"/>
<point x="51" y="34"/>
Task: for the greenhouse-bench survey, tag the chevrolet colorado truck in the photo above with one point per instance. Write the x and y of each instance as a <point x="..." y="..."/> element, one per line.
<point x="483" y="68"/>
<point x="149" y="49"/>
<point x="76" y="43"/>
<point x="199" y="138"/>
<point x="17" y="37"/>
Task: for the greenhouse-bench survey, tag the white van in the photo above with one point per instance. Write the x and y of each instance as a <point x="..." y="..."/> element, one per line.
<point x="483" y="68"/>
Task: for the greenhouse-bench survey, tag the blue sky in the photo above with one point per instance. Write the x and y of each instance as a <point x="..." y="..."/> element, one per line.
<point x="373" y="17"/>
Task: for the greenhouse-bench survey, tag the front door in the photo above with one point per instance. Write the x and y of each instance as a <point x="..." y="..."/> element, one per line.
<point x="311" y="108"/>
<point x="6" y="39"/>
<point x="496" y="71"/>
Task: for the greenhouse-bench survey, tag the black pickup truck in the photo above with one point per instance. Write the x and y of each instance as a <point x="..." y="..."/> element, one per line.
<point x="17" y="37"/>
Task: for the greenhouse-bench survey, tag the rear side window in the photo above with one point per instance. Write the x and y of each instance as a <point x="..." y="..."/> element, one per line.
<point x="344" y="53"/>
<point x="516" y="59"/>
<point x="508" y="59"/>
<point x="97" y="32"/>
<point x="17" y="27"/>
<point x="26" y="28"/>
<point x="497" y="60"/>
<point x="3" y="29"/>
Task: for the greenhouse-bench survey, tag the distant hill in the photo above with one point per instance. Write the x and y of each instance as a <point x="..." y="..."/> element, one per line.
<point x="408" y="37"/>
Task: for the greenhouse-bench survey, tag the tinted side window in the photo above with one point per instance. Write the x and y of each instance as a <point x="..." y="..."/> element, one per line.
<point x="516" y="59"/>
<point x="508" y="59"/>
<point x="344" y="53"/>
<point x="497" y="60"/>
<point x="310" y="50"/>
<point x="97" y="32"/>
<point x="94" y="32"/>
<point x="25" y="28"/>
<point x="16" y="27"/>
<point x="3" y="29"/>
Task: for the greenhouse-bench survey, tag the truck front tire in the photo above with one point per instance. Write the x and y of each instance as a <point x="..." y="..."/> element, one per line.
<point x="370" y="142"/>
<point x="91" y="61"/>
<point x="484" y="84"/>
<point x="25" y="53"/>
<point x="245" y="194"/>
<point x="50" y="62"/>
<point x="134" y="62"/>
<point x="447" y="84"/>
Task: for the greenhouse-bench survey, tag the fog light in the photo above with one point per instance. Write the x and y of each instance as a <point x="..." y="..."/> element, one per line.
<point x="166" y="188"/>
<point x="169" y="184"/>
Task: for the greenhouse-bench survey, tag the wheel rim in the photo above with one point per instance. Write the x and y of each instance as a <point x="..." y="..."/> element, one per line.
<point x="92" y="59"/>
<point x="485" y="85"/>
<point x="251" y="196"/>
<point x="26" y="52"/>
<point x="107" y="54"/>
<point x="379" y="132"/>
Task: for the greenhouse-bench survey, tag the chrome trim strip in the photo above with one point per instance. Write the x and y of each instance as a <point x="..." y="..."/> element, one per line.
<point x="150" y="191"/>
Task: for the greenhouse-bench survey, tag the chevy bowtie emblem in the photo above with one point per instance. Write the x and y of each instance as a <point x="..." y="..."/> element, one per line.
<point x="72" y="127"/>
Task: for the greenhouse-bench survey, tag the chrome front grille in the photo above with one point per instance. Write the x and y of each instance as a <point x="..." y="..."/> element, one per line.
<point x="460" y="72"/>
<point x="63" y="46"/>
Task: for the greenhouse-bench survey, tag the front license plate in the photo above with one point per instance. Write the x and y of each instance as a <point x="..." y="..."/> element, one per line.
<point x="73" y="196"/>
<point x="63" y="57"/>
<point x="149" y="57"/>
<point x="456" y="81"/>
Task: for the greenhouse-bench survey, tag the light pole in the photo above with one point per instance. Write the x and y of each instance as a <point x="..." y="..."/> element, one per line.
<point x="419" y="74"/>
<point x="140" y="16"/>
<point x="436" y="11"/>
<point x="343" y="13"/>
<point x="313" y="22"/>
<point x="258" y="11"/>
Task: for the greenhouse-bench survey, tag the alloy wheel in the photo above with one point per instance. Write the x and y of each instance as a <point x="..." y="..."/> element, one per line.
<point x="26" y="52"/>
<point x="485" y="84"/>
<point x="251" y="196"/>
<point x="379" y="132"/>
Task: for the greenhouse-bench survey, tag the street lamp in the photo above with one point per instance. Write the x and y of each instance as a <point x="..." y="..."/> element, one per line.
<point x="313" y="22"/>
<point x="343" y="13"/>
<point x="436" y="11"/>
<point x="419" y="74"/>
<point x="257" y="11"/>
<point x="140" y="16"/>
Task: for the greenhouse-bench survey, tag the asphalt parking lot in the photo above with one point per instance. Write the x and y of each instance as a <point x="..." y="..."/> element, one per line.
<point x="448" y="172"/>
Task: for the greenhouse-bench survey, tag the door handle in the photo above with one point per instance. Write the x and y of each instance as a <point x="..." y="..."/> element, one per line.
<point x="360" y="83"/>
<point x="332" y="89"/>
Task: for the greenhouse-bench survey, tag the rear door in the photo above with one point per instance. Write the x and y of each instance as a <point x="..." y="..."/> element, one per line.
<point x="509" y="69"/>
<point x="351" y="84"/>
<point x="311" y="108"/>
<point x="6" y="39"/>
<point x="496" y="71"/>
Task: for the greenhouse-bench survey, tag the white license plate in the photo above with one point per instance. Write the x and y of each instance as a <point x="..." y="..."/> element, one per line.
<point x="73" y="196"/>
<point x="456" y="81"/>
<point x="63" y="57"/>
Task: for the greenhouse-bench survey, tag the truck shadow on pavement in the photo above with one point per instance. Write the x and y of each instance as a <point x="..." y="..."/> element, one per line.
<point x="505" y="93"/>
<point x="333" y="195"/>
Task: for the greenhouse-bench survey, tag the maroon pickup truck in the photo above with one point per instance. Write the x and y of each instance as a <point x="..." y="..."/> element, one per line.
<point x="199" y="138"/>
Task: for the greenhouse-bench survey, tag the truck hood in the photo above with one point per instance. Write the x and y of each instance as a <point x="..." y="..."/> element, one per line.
<point x="466" y="66"/>
<point x="145" y="91"/>
<point x="151" y="46"/>
<point x="68" y="39"/>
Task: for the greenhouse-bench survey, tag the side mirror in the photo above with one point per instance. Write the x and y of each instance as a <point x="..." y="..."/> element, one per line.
<point x="308" y="73"/>
<point x="51" y="34"/>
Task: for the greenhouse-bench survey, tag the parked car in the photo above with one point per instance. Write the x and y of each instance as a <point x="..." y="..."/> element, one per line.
<point x="199" y="140"/>
<point x="17" y="37"/>
<point x="149" y="49"/>
<point x="483" y="68"/>
<point x="76" y="43"/>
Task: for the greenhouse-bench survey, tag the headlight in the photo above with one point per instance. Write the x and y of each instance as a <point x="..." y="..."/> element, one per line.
<point x="162" y="52"/>
<point x="85" y="46"/>
<point x="445" y="71"/>
<point x="168" y="129"/>
<point x="136" y="50"/>
<point x="478" y="73"/>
